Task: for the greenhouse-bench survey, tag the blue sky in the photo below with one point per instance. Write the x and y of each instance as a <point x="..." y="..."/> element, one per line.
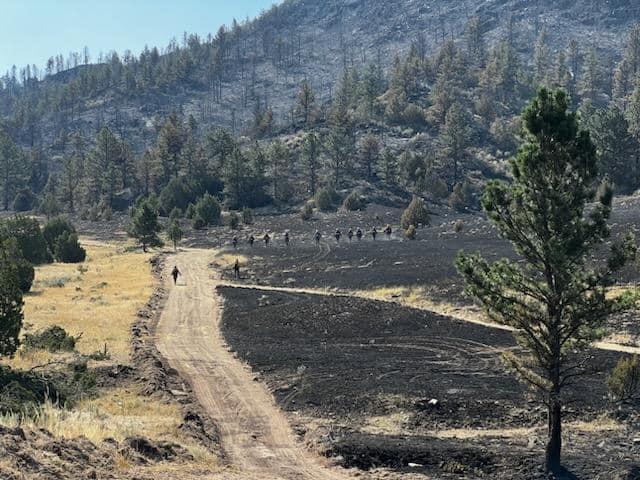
<point x="34" y="30"/>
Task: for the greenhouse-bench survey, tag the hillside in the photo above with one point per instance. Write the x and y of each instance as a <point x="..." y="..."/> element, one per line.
<point x="263" y="62"/>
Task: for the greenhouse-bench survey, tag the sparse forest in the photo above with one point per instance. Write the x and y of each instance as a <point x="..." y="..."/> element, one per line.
<point x="437" y="126"/>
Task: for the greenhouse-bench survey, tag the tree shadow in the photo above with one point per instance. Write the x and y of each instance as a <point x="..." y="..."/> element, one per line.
<point x="565" y="474"/>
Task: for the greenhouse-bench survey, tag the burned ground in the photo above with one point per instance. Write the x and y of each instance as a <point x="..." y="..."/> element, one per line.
<point x="345" y="361"/>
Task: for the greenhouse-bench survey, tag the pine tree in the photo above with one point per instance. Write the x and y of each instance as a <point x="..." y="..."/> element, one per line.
<point x="454" y="140"/>
<point x="311" y="160"/>
<point x="554" y="297"/>
<point x="591" y="76"/>
<point x="629" y="67"/>
<point x="633" y="111"/>
<point x="174" y="233"/>
<point x="617" y="148"/>
<point x="340" y="142"/>
<point x="12" y="169"/>
<point x="369" y="153"/>
<point x="145" y="226"/>
<point x="541" y="59"/>
<point x="102" y="175"/>
<point x="476" y="47"/>
<point x="306" y="102"/>
<point x="171" y="141"/>
<point x="389" y="167"/>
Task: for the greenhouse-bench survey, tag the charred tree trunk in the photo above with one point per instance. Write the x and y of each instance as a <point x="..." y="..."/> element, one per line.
<point x="554" y="443"/>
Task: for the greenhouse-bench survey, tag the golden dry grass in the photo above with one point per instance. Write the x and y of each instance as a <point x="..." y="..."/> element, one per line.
<point x="118" y="414"/>
<point x="418" y="297"/>
<point x="98" y="299"/>
<point x="225" y="259"/>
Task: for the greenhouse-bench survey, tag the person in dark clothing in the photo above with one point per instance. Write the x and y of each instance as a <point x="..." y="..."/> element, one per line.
<point x="388" y="231"/>
<point x="266" y="239"/>
<point x="235" y="242"/>
<point x="252" y="240"/>
<point x="350" y="234"/>
<point x="236" y="269"/>
<point x="374" y="232"/>
<point x="359" y="234"/>
<point x="338" y="236"/>
<point x="175" y="273"/>
<point x="286" y="238"/>
<point x="318" y="236"/>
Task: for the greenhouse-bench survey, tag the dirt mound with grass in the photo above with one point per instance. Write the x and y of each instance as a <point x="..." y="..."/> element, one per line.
<point x="37" y="454"/>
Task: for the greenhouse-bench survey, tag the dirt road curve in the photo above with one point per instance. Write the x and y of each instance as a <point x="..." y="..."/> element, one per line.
<point x="255" y="433"/>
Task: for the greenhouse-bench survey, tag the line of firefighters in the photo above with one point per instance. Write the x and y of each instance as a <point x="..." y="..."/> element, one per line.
<point x="358" y="233"/>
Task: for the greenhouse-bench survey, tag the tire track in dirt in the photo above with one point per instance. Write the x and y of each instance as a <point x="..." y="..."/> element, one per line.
<point x="256" y="435"/>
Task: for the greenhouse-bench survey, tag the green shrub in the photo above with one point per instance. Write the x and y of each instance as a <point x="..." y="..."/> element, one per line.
<point x="208" y="209"/>
<point x="247" y="216"/>
<point x="234" y="220"/>
<point x="177" y="194"/>
<point x="199" y="223"/>
<point x="462" y="197"/>
<point x="413" y="116"/>
<point x="106" y="213"/>
<point x="354" y="201"/>
<point x="190" y="212"/>
<point x="52" y="339"/>
<point x="29" y="238"/>
<point x="49" y="206"/>
<point x="68" y="250"/>
<point x="24" y="200"/>
<point x="55" y="228"/>
<point x="307" y="212"/>
<point x="93" y="214"/>
<point x="324" y="199"/>
<point x="175" y="214"/>
<point x="415" y="214"/>
<point x="24" y="269"/>
<point x="15" y="398"/>
<point x="410" y="232"/>
<point x="624" y="381"/>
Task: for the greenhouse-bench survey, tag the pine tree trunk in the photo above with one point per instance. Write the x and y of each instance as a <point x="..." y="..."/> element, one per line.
<point x="554" y="443"/>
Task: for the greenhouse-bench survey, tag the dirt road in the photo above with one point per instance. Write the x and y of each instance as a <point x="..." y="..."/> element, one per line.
<point x="255" y="433"/>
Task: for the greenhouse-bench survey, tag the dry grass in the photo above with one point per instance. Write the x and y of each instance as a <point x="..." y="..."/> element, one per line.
<point x="226" y="260"/>
<point x="97" y="299"/>
<point x="117" y="414"/>
<point x="418" y="297"/>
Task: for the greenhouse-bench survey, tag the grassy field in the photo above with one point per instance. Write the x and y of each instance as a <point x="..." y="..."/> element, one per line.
<point x="98" y="301"/>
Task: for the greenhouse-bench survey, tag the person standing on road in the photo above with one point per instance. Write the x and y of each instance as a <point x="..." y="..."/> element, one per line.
<point x="266" y="239"/>
<point x="318" y="236"/>
<point x="175" y="273"/>
<point x="236" y="269"/>
<point x="286" y="238"/>
<point x="252" y="240"/>
<point x="374" y="233"/>
<point x="350" y="234"/>
<point x="359" y="234"/>
<point x="388" y="232"/>
<point x="338" y="236"/>
<point x="235" y="242"/>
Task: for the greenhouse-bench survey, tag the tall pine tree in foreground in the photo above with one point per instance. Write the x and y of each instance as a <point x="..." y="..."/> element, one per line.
<point x="554" y="298"/>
